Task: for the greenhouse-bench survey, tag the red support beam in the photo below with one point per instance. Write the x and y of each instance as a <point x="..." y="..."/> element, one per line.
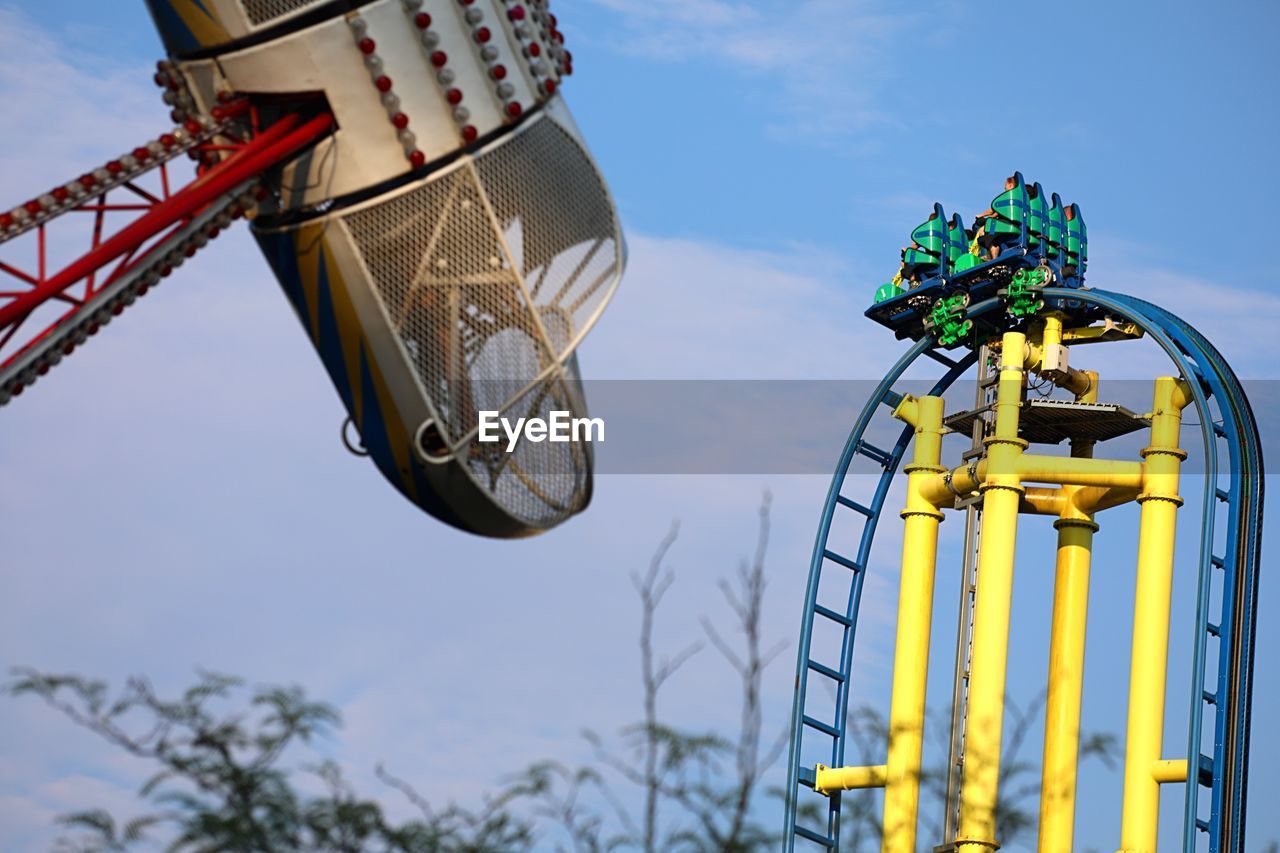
<point x="271" y="147"/>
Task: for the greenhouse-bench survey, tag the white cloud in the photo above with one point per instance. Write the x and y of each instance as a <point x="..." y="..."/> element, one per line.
<point x="817" y="63"/>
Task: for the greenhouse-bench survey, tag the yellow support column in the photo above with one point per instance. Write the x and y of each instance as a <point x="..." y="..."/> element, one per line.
<point x="1150" y="655"/>
<point x="915" y="613"/>
<point x="1075" y="526"/>
<point x="1001" y="495"/>
<point x="1066" y="678"/>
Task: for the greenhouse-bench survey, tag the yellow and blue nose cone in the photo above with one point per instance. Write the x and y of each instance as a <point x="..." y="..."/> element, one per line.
<point x="447" y="248"/>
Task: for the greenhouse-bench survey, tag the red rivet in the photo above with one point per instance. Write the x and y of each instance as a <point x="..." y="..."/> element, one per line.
<point x="87" y="181"/>
<point x="417" y="159"/>
<point x="143" y="288"/>
<point x="190" y="251"/>
<point x="164" y="273"/>
<point x="550" y="87"/>
<point x="167" y="140"/>
<point x="33" y="207"/>
<point x="194" y="126"/>
<point x="114" y="167"/>
<point x="466" y="2"/>
<point x="175" y="84"/>
<point x="367" y="46"/>
<point x="423" y="20"/>
<point x="93" y="329"/>
<point x="535" y="50"/>
<point x="43" y="368"/>
<point x="224" y="96"/>
<point x="117" y="309"/>
<point x="400" y="120"/>
<point x="552" y="19"/>
<point x="516" y="13"/>
<point x="161" y="80"/>
<point x="383" y="83"/>
<point x="6" y="221"/>
<point x="60" y="194"/>
<point x="483" y="35"/>
<point x="514" y="109"/>
<point x="68" y="348"/>
<point x="141" y="155"/>
<point x="498" y="72"/>
<point x="17" y="389"/>
<point x="453" y="96"/>
<point x="439" y="58"/>
<point x="469" y="133"/>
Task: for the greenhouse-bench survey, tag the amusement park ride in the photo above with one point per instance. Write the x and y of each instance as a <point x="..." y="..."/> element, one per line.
<point x="431" y="212"/>
<point x="1013" y="304"/>
<point x="422" y="194"/>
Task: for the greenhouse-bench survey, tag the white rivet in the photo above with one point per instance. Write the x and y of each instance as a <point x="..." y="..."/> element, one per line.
<point x="430" y="38"/>
<point x="408" y="140"/>
<point x="373" y="63"/>
<point x="488" y="53"/>
<point x="445" y="77"/>
<point x="505" y="90"/>
<point x="474" y="15"/>
<point x="391" y="101"/>
<point x="358" y="25"/>
<point x="461" y="114"/>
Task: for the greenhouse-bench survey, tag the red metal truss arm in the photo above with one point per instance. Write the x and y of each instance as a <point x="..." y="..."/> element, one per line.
<point x="169" y="226"/>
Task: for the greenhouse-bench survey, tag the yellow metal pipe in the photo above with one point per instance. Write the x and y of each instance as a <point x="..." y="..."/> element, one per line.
<point x="1066" y="677"/>
<point x="1001" y="496"/>
<point x="1077" y="471"/>
<point x="1150" y="654"/>
<point x="829" y="780"/>
<point x="1169" y="770"/>
<point x="915" y="615"/>
<point x="941" y="489"/>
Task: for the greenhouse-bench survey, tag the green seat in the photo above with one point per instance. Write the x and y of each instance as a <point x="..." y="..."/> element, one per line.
<point x="1077" y="241"/>
<point x="1037" y="216"/>
<point x="1010" y="208"/>
<point x="888" y="291"/>
<point x="928" y="237"/>
<point x="957" y="242"/>
<point x="1057" y="228"/>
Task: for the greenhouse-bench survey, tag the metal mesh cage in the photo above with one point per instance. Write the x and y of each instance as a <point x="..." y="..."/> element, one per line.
<point x="262" y="11"/>
<point x="490" y="273"/>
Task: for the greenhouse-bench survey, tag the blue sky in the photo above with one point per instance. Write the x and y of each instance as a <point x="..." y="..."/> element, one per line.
<point x="175" y="495"/>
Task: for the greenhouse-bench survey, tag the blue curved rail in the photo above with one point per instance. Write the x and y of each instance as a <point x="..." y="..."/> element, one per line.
<point x="828" y="553"/>
<point x="1228" y="430"/>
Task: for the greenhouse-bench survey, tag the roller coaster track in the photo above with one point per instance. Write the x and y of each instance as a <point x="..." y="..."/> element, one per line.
<point x="1232" y="503"/>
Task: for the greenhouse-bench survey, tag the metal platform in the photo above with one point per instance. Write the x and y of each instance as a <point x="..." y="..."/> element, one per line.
<point x="1054" y="421"/>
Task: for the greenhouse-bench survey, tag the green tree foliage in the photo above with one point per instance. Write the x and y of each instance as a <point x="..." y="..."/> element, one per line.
<point x="226" y="777"/>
